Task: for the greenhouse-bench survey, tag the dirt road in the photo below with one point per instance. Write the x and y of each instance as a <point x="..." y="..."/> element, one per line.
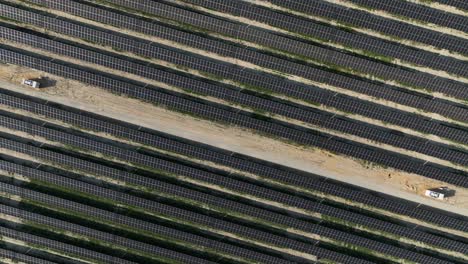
<point x="397" y="183"/>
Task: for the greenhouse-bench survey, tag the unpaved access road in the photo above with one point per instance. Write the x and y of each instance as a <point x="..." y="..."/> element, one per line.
<point x="236" y="139"/>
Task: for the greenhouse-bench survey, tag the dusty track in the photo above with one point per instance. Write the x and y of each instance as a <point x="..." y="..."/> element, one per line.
<point x="397" y="183"/>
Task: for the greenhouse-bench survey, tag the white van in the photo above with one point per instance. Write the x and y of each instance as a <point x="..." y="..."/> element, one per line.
<point x="31" y="83"/>
<point x="438" y="193"/>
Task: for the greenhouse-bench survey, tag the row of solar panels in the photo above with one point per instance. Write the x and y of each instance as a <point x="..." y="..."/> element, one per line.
<point x="153" y="209"/>
<point x="19" y="256"/>
<point x="315" y="117"/>
<point x="149" y="138"/>
<point x="309" y="27"/>
<point x="96" y="169"/>
<point x="322" y="54"/>
<point x="379" y="90"/>
<point x="461" y="4"/>
<point x="68" y="248"/>
<point x="325" y="33"/>
<point x="390" y="27"/>
<point x="418" y="12"/>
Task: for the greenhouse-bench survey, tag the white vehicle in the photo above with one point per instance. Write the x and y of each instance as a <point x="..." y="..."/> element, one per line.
<point x="437" y="193"/>
<point x="31" y="83"/>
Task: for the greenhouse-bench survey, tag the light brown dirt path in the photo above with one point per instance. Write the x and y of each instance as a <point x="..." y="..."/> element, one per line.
<point x="78" y="95"/>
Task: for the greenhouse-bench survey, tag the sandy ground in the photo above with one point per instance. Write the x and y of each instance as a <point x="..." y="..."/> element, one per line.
<point x="405" y="185"/>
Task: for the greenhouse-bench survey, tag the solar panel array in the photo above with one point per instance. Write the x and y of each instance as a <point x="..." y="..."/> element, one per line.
<point x="267" y="82"/>
<point x="420" y="13"/>
<point x="173" y="168"/>
<point x="59" y="246"/>
<point x="95" y="169"/>
<point x="456" y="3"/>
<point x="389" y="27"/>
<point x="333" y="34"/>
<point x="315" y="74"/>
<point x="210" y="112"/>
<point x="78" y="187"/>
<point x="16" y="256"/>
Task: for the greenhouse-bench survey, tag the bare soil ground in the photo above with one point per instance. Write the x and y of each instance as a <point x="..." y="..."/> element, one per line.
<point x="76" y="94"/>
